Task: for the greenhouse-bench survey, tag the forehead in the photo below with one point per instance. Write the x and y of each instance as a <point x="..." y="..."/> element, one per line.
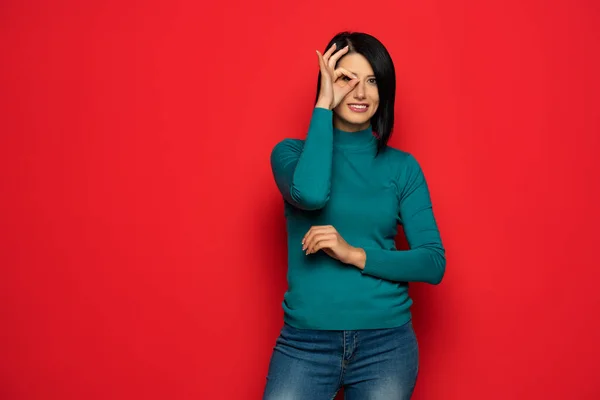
<point x="356" y="63"/>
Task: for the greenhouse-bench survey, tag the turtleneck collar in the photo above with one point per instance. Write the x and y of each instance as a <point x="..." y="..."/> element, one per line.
<point x="354" y="140"/>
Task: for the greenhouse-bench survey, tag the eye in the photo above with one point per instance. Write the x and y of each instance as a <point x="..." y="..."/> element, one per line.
<point x="373" y="81"/>
<point x="344" y="77"/>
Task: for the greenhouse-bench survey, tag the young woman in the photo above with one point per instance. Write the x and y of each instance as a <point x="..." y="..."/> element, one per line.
<point x="347" y="318"/>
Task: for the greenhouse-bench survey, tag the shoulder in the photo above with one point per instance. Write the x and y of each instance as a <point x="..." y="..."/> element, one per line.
<point x="400" y="159"/>
<point x="407" y="171"/>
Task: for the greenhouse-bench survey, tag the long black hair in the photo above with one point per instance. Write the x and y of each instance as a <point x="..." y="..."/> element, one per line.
<point x="385" y="74"/>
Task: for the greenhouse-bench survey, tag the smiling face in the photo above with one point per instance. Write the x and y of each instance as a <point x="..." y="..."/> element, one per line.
<point x="355" y="111"/>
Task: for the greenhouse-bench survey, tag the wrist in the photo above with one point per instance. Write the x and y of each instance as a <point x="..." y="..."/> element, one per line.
<point x="359" y="257"/>
<point x="323" y="104"/>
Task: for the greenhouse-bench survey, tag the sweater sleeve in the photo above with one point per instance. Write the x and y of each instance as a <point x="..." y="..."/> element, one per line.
<point x="425" y="261"/>
<point x="302" y="172"/>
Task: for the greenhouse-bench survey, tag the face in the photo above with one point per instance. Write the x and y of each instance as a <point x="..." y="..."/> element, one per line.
<point x="355" y="111"/>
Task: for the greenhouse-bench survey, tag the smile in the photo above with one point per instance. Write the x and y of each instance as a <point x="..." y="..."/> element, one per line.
<point x="358" y="107"/>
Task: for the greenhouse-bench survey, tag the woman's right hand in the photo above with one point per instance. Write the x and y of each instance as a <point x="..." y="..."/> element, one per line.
<point x="333" y="89"/>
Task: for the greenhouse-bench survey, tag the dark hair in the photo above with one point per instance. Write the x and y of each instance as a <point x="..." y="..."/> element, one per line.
<point x="383" y="67"/>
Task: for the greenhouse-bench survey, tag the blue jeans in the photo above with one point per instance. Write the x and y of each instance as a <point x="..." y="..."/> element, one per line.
<point x="378" y="364"/>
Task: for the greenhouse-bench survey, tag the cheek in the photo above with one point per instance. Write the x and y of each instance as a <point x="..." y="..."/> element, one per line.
<point x="375" y="100"/>
<point x="374" y="95"/>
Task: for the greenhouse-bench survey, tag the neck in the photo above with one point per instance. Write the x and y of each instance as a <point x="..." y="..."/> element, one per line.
<point x="355" y="139"/>
<point x="353" y="136"/>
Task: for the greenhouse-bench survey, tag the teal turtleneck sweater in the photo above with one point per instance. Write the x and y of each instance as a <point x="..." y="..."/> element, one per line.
<point x="337" y="178"/>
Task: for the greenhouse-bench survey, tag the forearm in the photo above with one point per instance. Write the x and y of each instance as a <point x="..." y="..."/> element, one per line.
<point x="426" y="260"/>
<point x="426" y="264"/>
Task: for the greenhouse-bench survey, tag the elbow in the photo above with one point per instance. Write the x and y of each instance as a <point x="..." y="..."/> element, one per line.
<point x="438" y="275"/>
<point x="310" y="200"/>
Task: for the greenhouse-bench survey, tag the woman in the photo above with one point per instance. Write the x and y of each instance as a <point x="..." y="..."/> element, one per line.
<point x="347" y="309"/>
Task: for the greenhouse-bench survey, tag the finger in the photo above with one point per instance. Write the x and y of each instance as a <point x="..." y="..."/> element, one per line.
<point x="316" y="228"/>
<point x="320" y="228"/>
<point x="326" y="77"/>
<point x="348" y="87"/>
<point x="307" y="234"/>
<point x="322" y="64"/>
<point x="310" y="242"/>
<point x="332" y="61"/>
<point x="329" y="52"/>
<point x="343" y="71"/>
<point x="320" y="239"/>
<point x="323" y="244"/>
<point x="306" y="239"/>
<point x="310" y="239"/>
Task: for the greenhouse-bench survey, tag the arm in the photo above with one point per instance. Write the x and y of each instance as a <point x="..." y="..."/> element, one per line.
<point x="425" y="261"/>
<point x="303" y="173"/>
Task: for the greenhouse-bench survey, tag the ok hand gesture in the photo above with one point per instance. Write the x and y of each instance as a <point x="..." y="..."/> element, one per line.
<point x="334" y="85"/>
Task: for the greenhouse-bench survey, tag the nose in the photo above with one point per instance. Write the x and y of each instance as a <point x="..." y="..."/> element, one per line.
<point x="359" y="91"/>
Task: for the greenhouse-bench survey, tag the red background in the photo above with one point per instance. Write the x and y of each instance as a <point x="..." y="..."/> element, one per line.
<point x="142" y="243"/>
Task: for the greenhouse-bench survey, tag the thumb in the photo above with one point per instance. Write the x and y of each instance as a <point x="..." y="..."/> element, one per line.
<point x="351" y="85"/>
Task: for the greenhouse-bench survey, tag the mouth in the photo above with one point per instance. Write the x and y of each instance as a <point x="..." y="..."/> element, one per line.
<point x="358" y="107"/>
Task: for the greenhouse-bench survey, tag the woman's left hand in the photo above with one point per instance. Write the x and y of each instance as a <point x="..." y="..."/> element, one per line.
<point x="327" y="238"/>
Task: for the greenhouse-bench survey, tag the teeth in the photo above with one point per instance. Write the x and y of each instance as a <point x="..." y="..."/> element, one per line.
<point x="358" y="106"/>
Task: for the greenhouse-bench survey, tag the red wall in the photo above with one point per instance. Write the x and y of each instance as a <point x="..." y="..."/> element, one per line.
<point x="142" y="240"/>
